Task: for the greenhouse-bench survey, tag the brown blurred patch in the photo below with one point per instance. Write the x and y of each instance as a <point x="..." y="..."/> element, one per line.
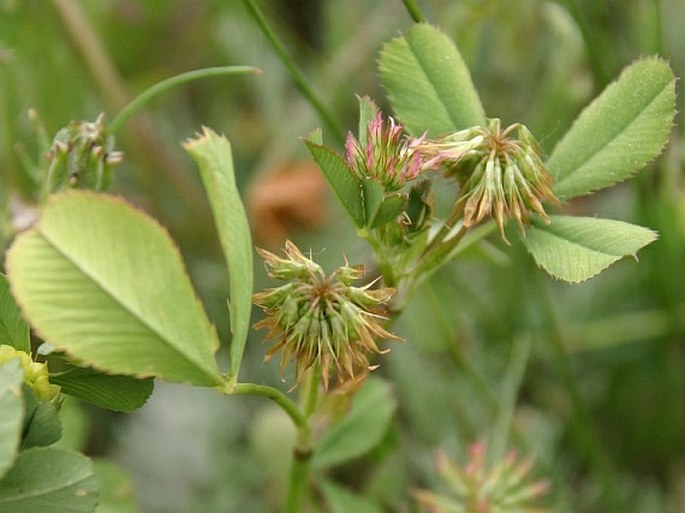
<point x="286" y="199"/>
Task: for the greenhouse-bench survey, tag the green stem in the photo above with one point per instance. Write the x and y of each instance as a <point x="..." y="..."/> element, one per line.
<point x="276" y="396"/>
<point x="297" y="482"/>
<point x="161" y="87"/>
<point x="311" y="393"/>
<point x="302" y="453"/>
<point x="295" y="72"/>
<point x="414" y="11"/>
<point x="581" y="419"/>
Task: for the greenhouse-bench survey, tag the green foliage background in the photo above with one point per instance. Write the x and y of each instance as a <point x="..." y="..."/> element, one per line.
<point x="537" y="62"/>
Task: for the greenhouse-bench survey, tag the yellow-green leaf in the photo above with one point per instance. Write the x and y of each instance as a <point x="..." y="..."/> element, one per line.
<point x="104" y="282"/>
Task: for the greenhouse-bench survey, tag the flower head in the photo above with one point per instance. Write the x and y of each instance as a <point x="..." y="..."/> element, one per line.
<point x="503" y="487"/>
<point x="36" y="374"/>
<point x="81" y="157"/>
<point x="319" y="319"/>
<point x="386" y="156"/>
<point x="500" y="176"/>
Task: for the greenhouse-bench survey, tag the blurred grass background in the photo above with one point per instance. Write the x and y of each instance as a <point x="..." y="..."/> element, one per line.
<point x="533" y="61"/>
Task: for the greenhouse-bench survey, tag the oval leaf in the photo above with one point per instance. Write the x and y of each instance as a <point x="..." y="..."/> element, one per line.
<point x="428" y="83"/>
<point x="48" y="479"/>
<point x="575" y="249"/>
<point x="623" y="129"/>
<point x="213" y="156"/>
<point x="14" y="330"/>
<point x="361" y="429"/>
<point x="112" y="392"/>
<point x="105" y="283"/>
<point x="11" y="412"/>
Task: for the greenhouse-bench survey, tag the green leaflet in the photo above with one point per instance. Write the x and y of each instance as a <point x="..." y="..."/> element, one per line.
<point x="49" y="479"/>
<point x="112" y="392"/>
<point x="575" y="249"/>
<point x="42" y="423"/>
<point x="346" y="186"/>
<point x="389" y="210"/>
<point x="11" y="412"/>
<point x="361" y="429"/>
<point x="428" y="83"/>
<point x="624" y="128"/>
<point x="342" y="500"/>
<point x="372" y="198"/>
<point x="14" y="331"/>
<point x="213" y="156"/>
<point x="104" y="282"/>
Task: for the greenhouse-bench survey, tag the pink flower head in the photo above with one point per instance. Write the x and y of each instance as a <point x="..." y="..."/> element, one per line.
<point x="387" y="156"/>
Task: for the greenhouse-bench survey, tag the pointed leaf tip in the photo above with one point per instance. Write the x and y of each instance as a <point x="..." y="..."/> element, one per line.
<point x="622" y="130"/>
<point x="575" y="249"/>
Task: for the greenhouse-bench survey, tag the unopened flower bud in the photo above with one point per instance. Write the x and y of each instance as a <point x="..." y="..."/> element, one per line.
<point x="81" y="157"/>
<point x="36" y="374"/>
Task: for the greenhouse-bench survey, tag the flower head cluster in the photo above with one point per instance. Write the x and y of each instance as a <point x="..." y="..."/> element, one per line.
<point x="319" y="319"/>
<point x="387" y="155"/>
<point x="500" y="176"/>
<point x="81" y="157"/>
<point x="503" y="487"/>
<point x="36" y="374"/>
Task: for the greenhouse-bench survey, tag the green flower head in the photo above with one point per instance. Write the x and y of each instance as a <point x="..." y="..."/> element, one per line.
<point x="321" y="320"/>
<point x="500" y="176"/>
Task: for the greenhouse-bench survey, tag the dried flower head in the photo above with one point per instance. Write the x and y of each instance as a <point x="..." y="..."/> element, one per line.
<point x="500" y="176"/>
<point x="36" y="375"/>
<point x="503" y="487"/>
<point x="319" y="319"/>
<point x="387" y="156"/>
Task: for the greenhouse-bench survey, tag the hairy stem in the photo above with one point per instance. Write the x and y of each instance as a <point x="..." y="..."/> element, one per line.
<point x="295" y="72"/>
